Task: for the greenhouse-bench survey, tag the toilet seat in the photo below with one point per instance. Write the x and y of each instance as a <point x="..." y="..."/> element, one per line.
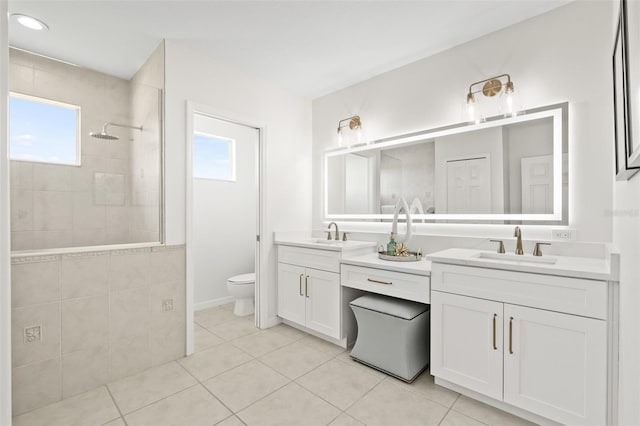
<point x="243" y="279"/>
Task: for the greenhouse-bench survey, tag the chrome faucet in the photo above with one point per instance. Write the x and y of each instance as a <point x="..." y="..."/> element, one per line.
<point x="337" y="232"/>
<point x="518" y="234"/>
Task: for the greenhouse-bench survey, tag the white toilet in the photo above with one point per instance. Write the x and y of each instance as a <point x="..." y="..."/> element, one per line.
<point x="242" y="288"/>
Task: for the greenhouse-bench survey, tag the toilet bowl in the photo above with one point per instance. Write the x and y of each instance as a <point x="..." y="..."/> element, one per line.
<point x="242" y="288"/>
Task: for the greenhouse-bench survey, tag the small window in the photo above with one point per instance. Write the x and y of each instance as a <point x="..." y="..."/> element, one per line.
<point x="214" y="157"/>
<point x="42" y="130"/>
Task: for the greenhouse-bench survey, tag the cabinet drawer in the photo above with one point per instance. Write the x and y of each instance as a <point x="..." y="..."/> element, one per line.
<point x="563" y="294"/>
<point x="396" y="284"/>
<point x="317" y="259"/>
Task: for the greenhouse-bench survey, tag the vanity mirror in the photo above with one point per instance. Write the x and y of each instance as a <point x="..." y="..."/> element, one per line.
<point x="504" y="170"/>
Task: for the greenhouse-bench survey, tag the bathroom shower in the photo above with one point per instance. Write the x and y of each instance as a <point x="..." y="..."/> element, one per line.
<point x="104" y="135"/>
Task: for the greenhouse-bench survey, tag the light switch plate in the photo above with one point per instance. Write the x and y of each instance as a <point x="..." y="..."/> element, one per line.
<point x="167" y="305"/>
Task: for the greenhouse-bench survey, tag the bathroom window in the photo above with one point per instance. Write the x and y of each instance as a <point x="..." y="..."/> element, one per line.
<point x="214" y="157"/>
<point x="44" y="131"/>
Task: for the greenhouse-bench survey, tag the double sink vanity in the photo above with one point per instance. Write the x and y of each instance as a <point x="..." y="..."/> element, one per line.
<point x="532" y="335"/>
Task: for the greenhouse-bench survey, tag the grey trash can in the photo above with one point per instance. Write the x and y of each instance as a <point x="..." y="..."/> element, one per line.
<point x="393" y="335"/>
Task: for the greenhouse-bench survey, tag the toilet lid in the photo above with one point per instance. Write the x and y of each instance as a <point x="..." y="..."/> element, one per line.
<point x="243" y="279"/>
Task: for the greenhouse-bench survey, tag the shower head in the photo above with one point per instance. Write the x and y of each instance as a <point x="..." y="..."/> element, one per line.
<point x="104" y="135"/>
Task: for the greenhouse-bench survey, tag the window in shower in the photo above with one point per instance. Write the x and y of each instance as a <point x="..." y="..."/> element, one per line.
<point x="44" y="131"/>
<point x="214" y="157"/>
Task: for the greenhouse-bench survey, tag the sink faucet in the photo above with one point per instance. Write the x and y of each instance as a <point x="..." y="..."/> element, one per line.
<point x="518" y="234"/>
<point x="337" y="232"/>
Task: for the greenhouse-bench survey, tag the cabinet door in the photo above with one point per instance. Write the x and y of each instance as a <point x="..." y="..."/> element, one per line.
<point x="323" y="302"/>
<point x="555" y="365"/>
<point x="466" y="342"/>
<point x="291" y="300"/>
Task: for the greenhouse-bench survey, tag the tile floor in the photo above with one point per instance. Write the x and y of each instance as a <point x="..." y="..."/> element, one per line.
<point x="240" y="375"/>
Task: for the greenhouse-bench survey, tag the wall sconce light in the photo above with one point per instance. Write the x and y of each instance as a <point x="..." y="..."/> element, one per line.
<point x="353" y="123"/>
<point x="500" y="84"/>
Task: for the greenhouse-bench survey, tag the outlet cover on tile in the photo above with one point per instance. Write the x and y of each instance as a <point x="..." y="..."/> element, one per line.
<point x="33" y="334"/>
<point x="167" y="305"/>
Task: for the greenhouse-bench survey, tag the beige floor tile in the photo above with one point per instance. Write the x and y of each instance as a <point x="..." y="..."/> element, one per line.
<point x="116" y="422"/>
<point x="345" y="357"/>
<point x="211" y="362"/>
<point x="345" y="420"/>
<point x="233" y="329"/>
<point x="244" y="385"/>
<point x="322" y="345"/>
<point x="230" y="421"/>
<point x="263" y="342"/>
<point x="295" y="360"/>
<point x="339" y="383"/>
<point x="453" y="418"/>
<point x="190" y="407"/>
<point x="487" y="414"/>
<point x="204" y="339"/>
<point x="288" y="331"/>
<point x="150" y="386"/>
<point x="291" y="405"/>
<point x="425" y="385"/>
<point x="390" y="404"/>
<point x="214" y="316"/>
<point x="90" y="408"/>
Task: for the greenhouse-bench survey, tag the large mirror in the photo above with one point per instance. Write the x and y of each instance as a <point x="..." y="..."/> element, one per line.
<point x="503" y="170"/>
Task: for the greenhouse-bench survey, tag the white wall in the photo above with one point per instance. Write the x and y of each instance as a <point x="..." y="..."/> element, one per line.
<point x="287" y="118"/>
<point x="626" y="237"/>
<point x="5" y="262"/>
<point x="564" y="55"/>
<point x="224" y="217"/>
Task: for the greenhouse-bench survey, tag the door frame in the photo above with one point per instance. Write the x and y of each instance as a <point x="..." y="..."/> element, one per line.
<point x="260" y="265"/>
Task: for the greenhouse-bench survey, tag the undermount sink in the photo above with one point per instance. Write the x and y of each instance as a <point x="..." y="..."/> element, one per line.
<point x="524" y="258"/>
<point x="325" y="241"/>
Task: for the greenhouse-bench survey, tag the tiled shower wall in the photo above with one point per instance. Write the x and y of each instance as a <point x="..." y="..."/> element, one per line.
<point x="146" y="98"/>
<point x="54" y="206"/>
<point x="84" y="319"/>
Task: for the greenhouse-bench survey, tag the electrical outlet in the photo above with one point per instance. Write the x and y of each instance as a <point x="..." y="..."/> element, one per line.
<point x="563" y="234"/>
<point x="167" y="305"/>
<point x="33" y="334"/>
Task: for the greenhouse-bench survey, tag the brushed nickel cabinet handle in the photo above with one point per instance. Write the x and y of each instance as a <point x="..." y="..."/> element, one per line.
<point x="306" y="286"/>
<point x="511" y="335"/>
<point x="495" y="346"/>
<point x="379" y="282"/>
<point x="301" y="275"/>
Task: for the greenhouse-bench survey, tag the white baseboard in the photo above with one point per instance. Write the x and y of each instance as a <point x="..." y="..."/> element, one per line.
<point x="212" y="303"/>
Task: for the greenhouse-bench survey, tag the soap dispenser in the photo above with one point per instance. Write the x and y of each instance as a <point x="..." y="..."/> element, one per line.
<point x="391" y="245"/>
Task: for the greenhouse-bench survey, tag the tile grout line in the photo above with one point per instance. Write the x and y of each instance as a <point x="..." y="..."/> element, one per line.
<point x="158" y="400"/>
<point x="116" y="405"/>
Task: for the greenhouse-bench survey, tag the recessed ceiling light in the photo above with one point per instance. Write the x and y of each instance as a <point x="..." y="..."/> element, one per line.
<point x="30" y="22"/>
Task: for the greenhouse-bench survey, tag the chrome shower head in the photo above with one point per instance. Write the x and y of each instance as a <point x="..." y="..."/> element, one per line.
<point x="104" y="135"/>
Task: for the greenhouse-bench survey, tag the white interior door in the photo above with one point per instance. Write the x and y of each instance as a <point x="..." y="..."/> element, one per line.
<point x="357" y="184"/>
<point x="469" y="186"/>
<point x="466" y="342"/>
<point x="537" y="184"/>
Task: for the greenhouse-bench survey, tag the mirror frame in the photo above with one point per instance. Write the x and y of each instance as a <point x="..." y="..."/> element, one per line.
<point x="559" y="114"/>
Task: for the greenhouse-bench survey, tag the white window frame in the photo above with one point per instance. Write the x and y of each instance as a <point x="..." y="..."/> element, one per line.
<point x="78" y="110"/>
<point x="232" y="155"/>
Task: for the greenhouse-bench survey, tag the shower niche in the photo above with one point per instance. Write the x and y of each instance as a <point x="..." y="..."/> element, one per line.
<point x="109" y="190"/>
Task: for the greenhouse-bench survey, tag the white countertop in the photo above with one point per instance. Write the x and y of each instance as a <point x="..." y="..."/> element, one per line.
<point x="320" y="244"/>
<point x="371" y="260"/>
<point x="577" y="267"/>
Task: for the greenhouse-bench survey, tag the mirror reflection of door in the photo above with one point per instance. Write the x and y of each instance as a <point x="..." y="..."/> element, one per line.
<point x="469" y="186"/>
<point x="537" y="184"/>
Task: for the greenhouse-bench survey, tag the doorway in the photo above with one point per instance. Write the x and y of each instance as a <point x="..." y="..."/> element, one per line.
<point x="223" y="209"/>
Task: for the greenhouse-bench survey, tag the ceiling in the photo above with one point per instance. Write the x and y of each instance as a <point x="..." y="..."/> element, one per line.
<point x="310" y="48"/>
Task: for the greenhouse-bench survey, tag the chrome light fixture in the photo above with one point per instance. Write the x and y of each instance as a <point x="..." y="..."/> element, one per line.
<point x="353" y="123"/>
<point x="498" y="85"/>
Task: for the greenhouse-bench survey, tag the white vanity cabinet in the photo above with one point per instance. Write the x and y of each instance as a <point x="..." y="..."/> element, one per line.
<point x="535" y="342"/>
<point x="310" y="297"/>
<point x="309" y="291"/>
